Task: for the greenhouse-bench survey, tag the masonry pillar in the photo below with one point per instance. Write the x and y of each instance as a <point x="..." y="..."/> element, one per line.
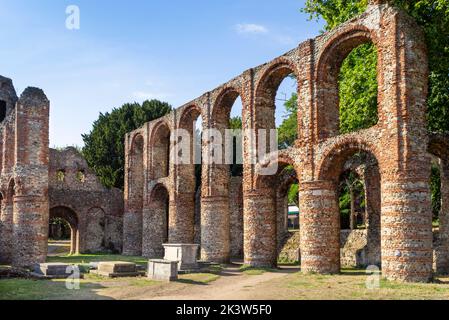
<point x="31" y="209"/>
<point x="372" y="214"/>
<point x="182" y="216"/>
<point x="215" y="232"/>
<point x="6" y="232"/>
<point x="320" y="227"/>
<point x="155" y="225"/>
<point x="215" y="210"/>
<point x="281" y="219"/>
<point x="259" y="221"/>
<point x="134" y="196"/>
<point x="406" y="220"/>
<point x="442" y="252"/>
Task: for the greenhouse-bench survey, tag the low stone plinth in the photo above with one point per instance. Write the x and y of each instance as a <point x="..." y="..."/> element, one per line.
<point x="117" y="269"/>
<point x="184" y="254"/>
<point x="163" y="270"/>
<point x="53" y="270"/>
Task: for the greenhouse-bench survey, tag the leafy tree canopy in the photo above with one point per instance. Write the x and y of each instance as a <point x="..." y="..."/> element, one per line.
<point x="104" y="146"/>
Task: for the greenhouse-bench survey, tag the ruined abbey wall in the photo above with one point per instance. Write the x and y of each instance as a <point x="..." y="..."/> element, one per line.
<point x="95" y="213"/>
<point x="160" y="191"/>
<point x="37" y="184"/>
<point x="24" y="175"/>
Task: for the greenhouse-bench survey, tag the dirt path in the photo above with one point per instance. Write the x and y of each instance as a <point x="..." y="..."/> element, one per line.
<point x="232" y="285"/>
<point x="57" y="248"/>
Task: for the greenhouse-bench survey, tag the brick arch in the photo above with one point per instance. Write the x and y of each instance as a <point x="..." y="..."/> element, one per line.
<point x="329" y="62"/>
<point x="266" y="89"/>
<point x="222" y="107"/>
<point x="155" y="188"/>
<point x="439" y="146"/>
<point x="189" y="115"/>
<point x="279" y="159"/>
<point x="156" y="221"/>
<point x="68" y="214"/>
<point x="332" y="162"/>
<point x="160" y="150"/>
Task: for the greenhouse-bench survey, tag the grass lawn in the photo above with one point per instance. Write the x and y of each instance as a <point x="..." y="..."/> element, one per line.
<point x="284" y="284"/>
<point x="88" y="258"/>
<point x="92" y="287"/>
<point x="351" y="285"/>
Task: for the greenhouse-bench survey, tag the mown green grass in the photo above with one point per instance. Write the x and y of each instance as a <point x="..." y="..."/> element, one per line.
<point x="85" y="259"/>
<point x="253" y="271"/>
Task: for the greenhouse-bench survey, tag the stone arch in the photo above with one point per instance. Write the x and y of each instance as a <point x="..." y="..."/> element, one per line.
<point x="332" y="161"/>
<point x="266" y="89"/>
<point x="331" y="169"/>
<point x="132" y="219"/>
<point x="185" y="159"/>
<point x="221" y="109"/>
<point x="160" y="145"/>
<point x="156" y="222"/>
<point x="218" y="211"/>
<point x="94" y="240"/>
<point x="329" y="62"/>
<point x="261" y="223"/>
<point x="71" y="217"/>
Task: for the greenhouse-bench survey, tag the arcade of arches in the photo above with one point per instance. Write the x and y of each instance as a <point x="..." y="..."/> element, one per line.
<point x="384" y="168"/>
<point x="391" y="161"/>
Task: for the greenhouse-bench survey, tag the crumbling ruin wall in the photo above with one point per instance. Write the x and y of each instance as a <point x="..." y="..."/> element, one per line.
<point x="24" y="175"/>
<point x="97" y="212"/>
<point x="398" y="143"/>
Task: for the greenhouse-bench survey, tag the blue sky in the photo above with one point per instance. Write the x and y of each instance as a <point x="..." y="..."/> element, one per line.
<point x="135" y="50"/>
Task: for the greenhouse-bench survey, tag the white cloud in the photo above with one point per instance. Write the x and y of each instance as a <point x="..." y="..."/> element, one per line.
<point x="250" y="28"/>
<point x="142" y="95"/>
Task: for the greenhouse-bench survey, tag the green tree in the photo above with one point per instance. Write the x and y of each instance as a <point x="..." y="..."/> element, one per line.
<point x="104" y="146"/>
<point x="433" y="16"/>
<point x="357" y="79"/>
<point x="288" y="130"/>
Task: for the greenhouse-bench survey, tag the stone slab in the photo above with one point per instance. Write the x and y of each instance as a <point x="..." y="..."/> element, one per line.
<point x="162" y="270"/>
<point x="185" y="254"/>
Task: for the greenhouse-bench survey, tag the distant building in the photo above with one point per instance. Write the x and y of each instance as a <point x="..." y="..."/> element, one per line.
<point x="293" y="217"/>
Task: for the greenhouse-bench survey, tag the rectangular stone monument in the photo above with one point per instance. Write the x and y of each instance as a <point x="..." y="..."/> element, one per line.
<point x="163" y="270"/>
<point x="184" y="254"/>
<point x="116" y="269"/>
<point x="53" y="270"/>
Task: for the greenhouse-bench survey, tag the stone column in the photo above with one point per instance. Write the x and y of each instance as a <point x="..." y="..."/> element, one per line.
<point x="215" y="231"/>
<point x="372" y="215"/>
<point x="260" y="228"/>
<point x="6" y="232"/>
<point x="406" y="234"/>
<point x="30" y="230"/>
<point x="155" y="227"/>
<point x="182" y="216"/>
<point x="320" y="227"/>
<point x="31" y="207"/>
<point x="442" y="254"/>
<point x="281" y="219"/>
<point x="215" y="211"/>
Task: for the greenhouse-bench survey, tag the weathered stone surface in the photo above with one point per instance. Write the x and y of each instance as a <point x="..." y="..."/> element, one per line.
<point x="398" y="143"/>
<point x="53" y="269"/>
<point x="163" y="270"/>
<point x="184" y="254"/>
<point x="117" y="269"/>
<point x="96" y="220"/>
